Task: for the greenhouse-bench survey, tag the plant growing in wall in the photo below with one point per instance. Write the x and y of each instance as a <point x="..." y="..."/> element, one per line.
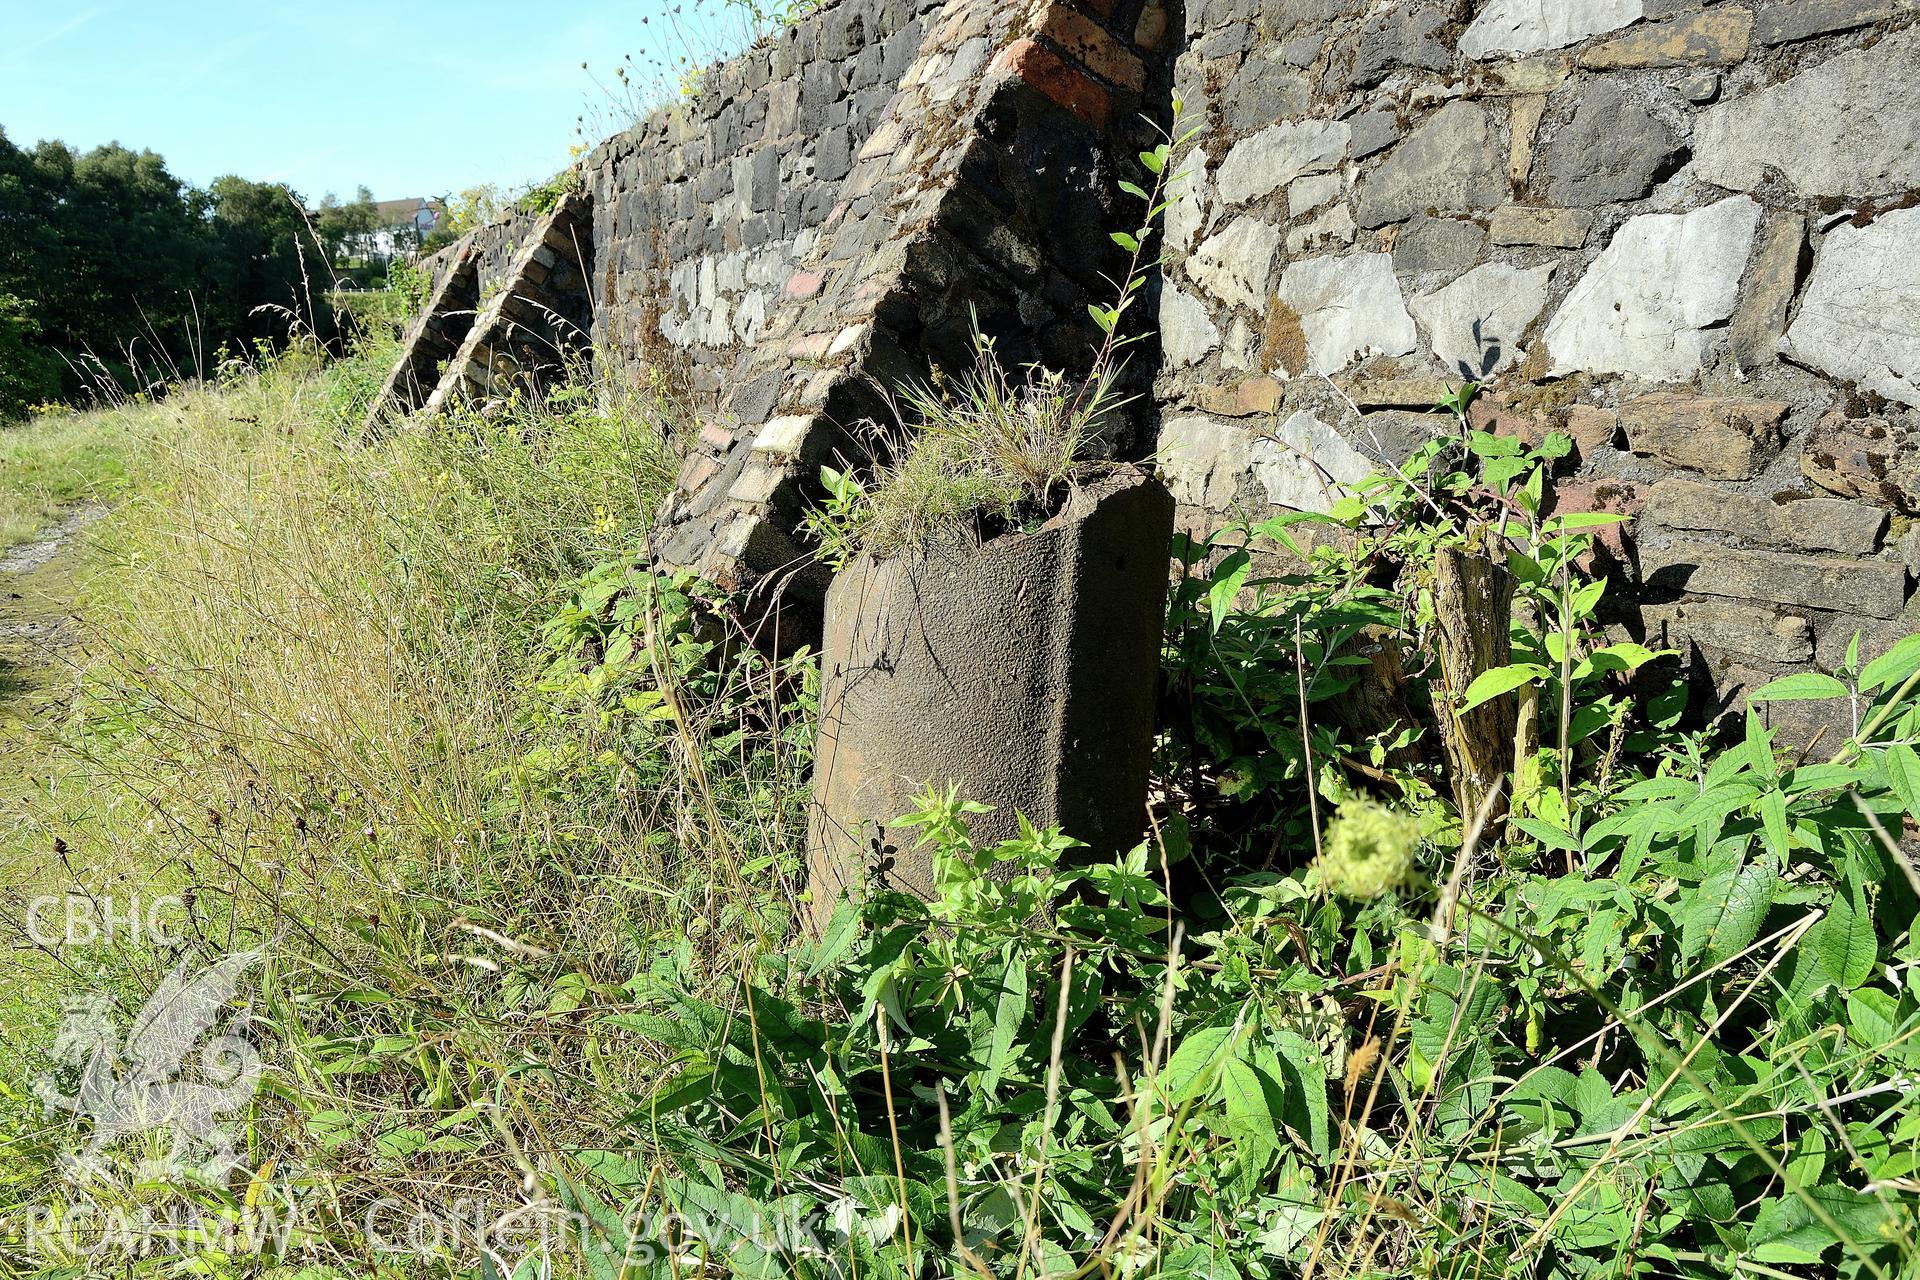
<point x="995" y="449"/>
<point x="1056" y="725"/>
<point x="1440" y="629"/>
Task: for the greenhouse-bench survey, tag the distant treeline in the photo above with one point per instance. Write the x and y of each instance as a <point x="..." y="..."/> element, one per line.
<point x="113" y="269"/>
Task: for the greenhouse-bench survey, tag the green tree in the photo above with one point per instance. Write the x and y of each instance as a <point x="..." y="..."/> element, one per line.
<point x="345" y="228"/>
<point x="473" y="207"/>
<point x="264" y="257"/>
<point x="136" y="276"/>
<point x="29" y="373"/>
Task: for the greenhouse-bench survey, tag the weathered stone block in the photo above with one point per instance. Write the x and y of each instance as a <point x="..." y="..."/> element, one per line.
<point x="1022" y="669"/>
<point x="1611" y="150"/>
<point x="757" y="483"/>
<point x="1187" y="333"/>
<point x="1438" y="244"/>
<point x="1787" y="20"/>
<point x="1678" y="503"/>
<point x="1716" y="37"/>
<point x="1804" y="523"/>
<point x="1592" y="427"/>
<point x="1330" y="227"/>
<point x="1766" y="634"/>
<point x="1608" y="497"/>
<point x="1203" y="460"/>
<point x="1275" y="156"/>
<point x="1329" y="312"/>
<point x="1374" y="130"/>
<point x="1404" y="36"/>
<point x="1265" y="89"/>
<point x="1243" y="399"/>
<point x="1305" y="465"/>
<point x="1828" y="524"/>
<point x="1236" y="266"/>
<point x="1849" y="126"/>
<point x="1474" y="325"/>
<point x="1874" y="588"/>
<point x="786" y="434"/>
<point x="1548" y="228"/>
<point x="1761" y="318"/>
<point x="1450" y="162"/>
<point x="1869" y="458"/>
<point x="1309" y="193"/>
<point x="1299" y="463"/>
<point x="1528" y="26"/>
<point x="1647" y="304"/>
<point x="1727" y="438"/>
<point x="1859" y="316"/>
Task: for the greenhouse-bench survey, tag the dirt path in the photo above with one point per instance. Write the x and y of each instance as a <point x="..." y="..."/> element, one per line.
<point x="36" y="587"/>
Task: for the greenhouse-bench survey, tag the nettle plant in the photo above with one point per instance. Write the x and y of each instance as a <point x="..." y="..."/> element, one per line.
<point x="1348" y="632"/>
<point x="993" y="449"/>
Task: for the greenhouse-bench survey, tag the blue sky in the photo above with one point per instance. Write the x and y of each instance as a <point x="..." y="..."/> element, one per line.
<point x="327" y="95"/>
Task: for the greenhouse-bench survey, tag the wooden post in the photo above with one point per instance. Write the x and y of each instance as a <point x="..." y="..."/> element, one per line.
<point x="1473" y="614"/>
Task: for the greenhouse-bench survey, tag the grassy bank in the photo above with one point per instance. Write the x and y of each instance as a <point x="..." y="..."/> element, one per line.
<point x="57" y="462"/>
<point x="515" y="831"/>
<point x="314" y="712"/>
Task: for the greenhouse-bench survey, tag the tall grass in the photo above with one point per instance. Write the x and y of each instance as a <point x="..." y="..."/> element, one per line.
<point x="316" y="705"/>
<point x="516" y="827"/>
<point x="55" y="462"/>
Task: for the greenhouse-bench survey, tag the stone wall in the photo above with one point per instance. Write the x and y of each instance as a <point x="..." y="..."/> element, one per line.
<point x="1683" y="233"/>
<point x="703" y="210"/>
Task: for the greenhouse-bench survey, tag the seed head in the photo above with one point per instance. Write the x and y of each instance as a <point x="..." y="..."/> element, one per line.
<point x="1368" y="850"/>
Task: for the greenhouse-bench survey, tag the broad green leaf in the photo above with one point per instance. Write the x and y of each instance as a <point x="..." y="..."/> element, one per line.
<point x="1491" y="684"/>
<point x="1808" y="686"/>
<point x="1726" y="912"/>
<point x="1759" y="746"/>
<point x="1902" y="764"/>
<point x="1227" y="581"/>
<point x="1306" y="1105"/>
<point x="1843" y="940"/>
<point x="1873" y="1018"/>
<point x="1190" y="1070"/>
<point x="1249" y="1116"/>
<point x="1547" y="834"/>
<point x="1893" y="666"/>
<point x="1773" y="821"/>
<point x="1787" y="1230"/>
<point x="1007" y="1016"/>
<point x="1625" y="656"/>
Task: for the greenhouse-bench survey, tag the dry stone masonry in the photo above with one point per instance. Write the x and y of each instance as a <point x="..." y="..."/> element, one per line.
<point x="1685" y="232"/>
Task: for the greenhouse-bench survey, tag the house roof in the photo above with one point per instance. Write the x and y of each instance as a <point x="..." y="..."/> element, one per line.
<point x="395" y="212"/>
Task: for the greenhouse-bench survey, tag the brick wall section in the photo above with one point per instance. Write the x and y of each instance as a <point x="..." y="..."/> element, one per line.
<point x="444" y="322"/>
<point x="982" y="196"/>
<point x="536" y="321"/>
<point x="1681" y="232"/>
